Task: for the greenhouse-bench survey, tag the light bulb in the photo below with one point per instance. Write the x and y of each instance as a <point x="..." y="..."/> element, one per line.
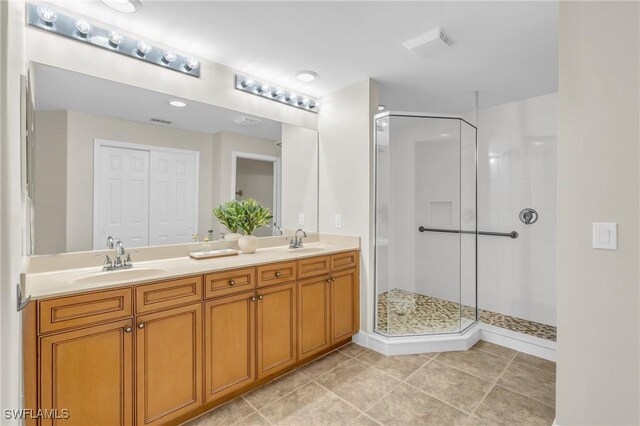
<point x="143" y="48"/>
<point x="48" y="15"/>
<point x="306" y="101"/>
<point x="248" y="83"/>
<point x="115" y="38"/>
<point x="277" y="93"/>
<point x="192" y="64"/>
<point x="264" y="88"/>
<point x="169" y="56"/>
<point x="83" y="27"/>
<point x="291" y="97"/>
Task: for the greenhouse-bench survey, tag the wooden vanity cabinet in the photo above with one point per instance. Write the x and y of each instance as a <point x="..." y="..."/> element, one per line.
<point x="89" y="372"/>
<point x="168" y="364"/>
<point x="161" y="353"/>
<point x="229" y="344"/>
<point x="276" y="332"/>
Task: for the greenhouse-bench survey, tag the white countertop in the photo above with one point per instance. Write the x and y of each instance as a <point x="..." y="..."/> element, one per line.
<point x="70" y="281"/>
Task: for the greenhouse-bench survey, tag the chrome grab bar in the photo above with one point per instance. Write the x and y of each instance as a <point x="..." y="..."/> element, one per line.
<point x="512" y="234"/>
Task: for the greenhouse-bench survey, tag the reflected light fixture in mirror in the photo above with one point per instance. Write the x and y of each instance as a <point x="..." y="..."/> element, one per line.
<point x="177" y="103"/>
<point x="123" y="6"/>
<point x="275" y="93"/>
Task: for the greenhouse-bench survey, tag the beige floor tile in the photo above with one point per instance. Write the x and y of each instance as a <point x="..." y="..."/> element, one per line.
<point x="352" y="349"/>
<point x="400" y="366"/>
<point x="452" y="386"/>
<point x="268" y="393"/>
<point x="479" y="363"/>
<point x="324" y="364"/>
<point x="504" y="407"/>
<point x="310" y="405"/>
<point x="359" y="384"/>
<point x="529" y="381"/>
<point x="534" y="361"/>
<point x="227" y="414"/>
<point x="409" y="406"/>
<point x="364" y="420"/>
<point x="253" y="420"/>
<point x="495" y="349"/>
<point x="430" y="354"/>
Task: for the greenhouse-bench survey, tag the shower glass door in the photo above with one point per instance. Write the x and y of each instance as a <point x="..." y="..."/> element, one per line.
<point x="425" y="247"/>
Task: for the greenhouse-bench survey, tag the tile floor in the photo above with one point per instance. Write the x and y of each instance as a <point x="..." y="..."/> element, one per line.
<point x="402" y="312"/>
<point x="486" y="385"/>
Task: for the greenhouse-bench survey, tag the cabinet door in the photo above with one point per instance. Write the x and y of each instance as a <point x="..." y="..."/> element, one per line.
<point x="168" y="364"/>
<point x="276" y="328"/>
<point x="344" y="304"/>
<point x="314" y="324"/>
<point x="229" y="328"/>
<point x="89" y="372"/>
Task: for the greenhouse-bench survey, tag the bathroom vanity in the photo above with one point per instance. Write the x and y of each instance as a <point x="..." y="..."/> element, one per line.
<point x="192" y="334"/>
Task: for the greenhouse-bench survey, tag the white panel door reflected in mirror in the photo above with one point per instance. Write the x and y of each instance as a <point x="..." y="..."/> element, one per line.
<point x="121" y="161"/>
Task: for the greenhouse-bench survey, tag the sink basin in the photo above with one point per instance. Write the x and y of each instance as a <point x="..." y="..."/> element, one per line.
<point x="307" y="250"/>
<point x="125" y="274"/>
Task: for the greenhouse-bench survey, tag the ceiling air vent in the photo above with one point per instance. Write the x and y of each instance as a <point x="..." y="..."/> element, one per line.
<point x="243" y="120"/>
<point x="430" y="43"/>
<point x="160" y="120"/>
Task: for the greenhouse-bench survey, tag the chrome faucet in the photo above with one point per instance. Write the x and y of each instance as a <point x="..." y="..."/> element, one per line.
<point x="110" y="242"/>
<point x="121" y="261"/>
<point x="277" y="230"/>
<point x="296" y="242"/>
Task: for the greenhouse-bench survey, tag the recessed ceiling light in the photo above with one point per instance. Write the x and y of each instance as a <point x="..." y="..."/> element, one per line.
<point x="307" y="76"/>
<point x="445" y="135"/>
<point x="382" y="107"/>
<point x="178" y="104"/>
<point x="123" y="6"/>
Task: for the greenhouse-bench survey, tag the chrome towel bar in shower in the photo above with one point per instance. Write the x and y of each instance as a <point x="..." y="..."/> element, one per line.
<point x="512" y="234"/>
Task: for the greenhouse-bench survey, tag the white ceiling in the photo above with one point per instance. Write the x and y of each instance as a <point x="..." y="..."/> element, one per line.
<point x="58" y="89"/>
<point x="505" y="50"/>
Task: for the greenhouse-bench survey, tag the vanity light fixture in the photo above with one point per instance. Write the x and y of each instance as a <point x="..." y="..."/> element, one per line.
<point x="115" y="38"/>
<point x="307" y="76"/>
<point x="47" y="15"/>
<point x="275" y="93"/>
<point x="178" y="104"/>
<point x="80" y="29"/>
<point x="123" y="6"/>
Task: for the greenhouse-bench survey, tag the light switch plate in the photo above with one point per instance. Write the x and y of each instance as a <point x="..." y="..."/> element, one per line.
<point x="605" y="236"/>
<point x="338" y="221"/>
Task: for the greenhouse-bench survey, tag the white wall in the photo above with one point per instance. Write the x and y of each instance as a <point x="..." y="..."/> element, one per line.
<point x="345" y="127"/>
<point x="299" y="177"/>
<point x="12" y="211"/>
<point x="517" y="168"/>
<point x="598" y="379"/>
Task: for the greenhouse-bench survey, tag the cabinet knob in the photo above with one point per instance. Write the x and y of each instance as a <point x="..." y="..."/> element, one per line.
<point x="328" y="280"/>
<point x="333" y="279"/>
<point x="127" y="330"/>
<point x="253" y="298"/>
<point x="260" y="297"/>
<point x="232" y="282"/>
<point x="277" y="274"/>
<point x="141" y="325"/>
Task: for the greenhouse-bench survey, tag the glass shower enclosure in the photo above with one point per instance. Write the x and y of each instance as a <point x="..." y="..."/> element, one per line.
<point x="425" y="224"/>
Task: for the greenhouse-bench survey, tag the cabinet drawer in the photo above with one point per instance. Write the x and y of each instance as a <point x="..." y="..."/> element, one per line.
<point x="276" y="273"/>
<point x="229" y="282"/>
<point x="168" y="294"/>
<point x="314" y="266"/>
<point x="85" y="309"/>
<point x="344" y="260"/>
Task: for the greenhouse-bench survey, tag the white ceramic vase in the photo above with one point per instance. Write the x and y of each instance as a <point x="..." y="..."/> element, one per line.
<point x="232" y="236"/>
<point x="248" y="244"/>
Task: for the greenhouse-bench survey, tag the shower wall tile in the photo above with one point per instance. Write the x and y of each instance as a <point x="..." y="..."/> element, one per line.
<point x="517" y="168"/>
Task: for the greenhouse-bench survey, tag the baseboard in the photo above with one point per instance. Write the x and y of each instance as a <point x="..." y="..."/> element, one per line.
<point x="520" y="342"/>
<point x="452" y="342"/>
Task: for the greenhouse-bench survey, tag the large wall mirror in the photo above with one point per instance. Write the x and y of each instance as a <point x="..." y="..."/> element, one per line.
<point x="121" y="161"/>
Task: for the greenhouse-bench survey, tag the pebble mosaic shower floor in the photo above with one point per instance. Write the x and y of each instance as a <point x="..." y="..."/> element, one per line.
<point x="403" y="312"/>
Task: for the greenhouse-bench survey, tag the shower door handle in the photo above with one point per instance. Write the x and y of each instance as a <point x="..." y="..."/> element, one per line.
<point x="512" y="234"/>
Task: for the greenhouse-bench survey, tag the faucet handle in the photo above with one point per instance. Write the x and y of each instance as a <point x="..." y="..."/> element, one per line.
<point x="127" y="260"/>
<point x="107" y="263"/>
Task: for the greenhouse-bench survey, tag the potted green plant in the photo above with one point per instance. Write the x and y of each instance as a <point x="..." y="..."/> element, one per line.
<point x="229" y="216"/>
<point x="252" y="216"/>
